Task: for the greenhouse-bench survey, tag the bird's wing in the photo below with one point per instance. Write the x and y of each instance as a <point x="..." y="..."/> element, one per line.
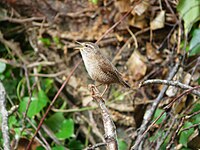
<point x="108" y="68"/>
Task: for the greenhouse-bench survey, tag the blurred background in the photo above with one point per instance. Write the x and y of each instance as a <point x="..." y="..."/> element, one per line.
<point x="37" y="41"/>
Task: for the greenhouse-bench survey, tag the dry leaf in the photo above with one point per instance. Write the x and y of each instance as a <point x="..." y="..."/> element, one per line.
<point x="141" y="8"/>
<point x="194" y="140"/>
<point x="136" y="65"/>
<point x="138" y="21"/>
<point x="123" y="5"/>
<point x="151" y="53"/>
<point x="159" y="21"/>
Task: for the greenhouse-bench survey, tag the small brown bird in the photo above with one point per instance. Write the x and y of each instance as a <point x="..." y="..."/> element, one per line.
<point x="99" y="67"/>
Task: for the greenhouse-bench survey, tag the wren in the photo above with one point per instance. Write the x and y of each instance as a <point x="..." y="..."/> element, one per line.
<point x="99" y="67"/>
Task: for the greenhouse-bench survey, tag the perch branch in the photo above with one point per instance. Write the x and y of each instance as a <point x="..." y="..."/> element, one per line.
<point x="109" y="126"/>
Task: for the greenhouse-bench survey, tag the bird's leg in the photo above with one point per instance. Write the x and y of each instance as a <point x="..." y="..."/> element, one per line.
<point x="94" y="86"/>
<point x="105" y="90"/>
<point x="99" y="85"/>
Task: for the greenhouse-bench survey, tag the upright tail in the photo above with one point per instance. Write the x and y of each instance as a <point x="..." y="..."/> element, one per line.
<point x="121" y="80"/>
<point x="125" y="84"/>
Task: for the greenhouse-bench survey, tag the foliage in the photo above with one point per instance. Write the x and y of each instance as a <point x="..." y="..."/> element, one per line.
<point x="195" y="43"/>
<point x="122" y="144"/>
<point x="190" y="12"/>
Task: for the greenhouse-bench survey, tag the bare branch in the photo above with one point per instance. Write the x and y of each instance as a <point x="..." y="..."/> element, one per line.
<point x="172" y="83"/>
<point x="96" y="146"/>
<point x="4" y="114"/>
<point x="161" y="141"/>
<point x="149" y="113"/>
<point x="193" y="126"/>
<point x="109" y="126"/>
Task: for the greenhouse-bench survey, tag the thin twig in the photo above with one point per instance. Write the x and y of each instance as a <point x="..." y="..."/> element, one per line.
<point x="53" y="75"/>
<point x="175" y="133"/>
<point x="10" y="62"/>
<point x="29" y="92"/>
<point x="118" y="22"/>
<point x="14" y="46"/>
<point x="192" y="126"/>
<point x="4" y="114"/>
<point x="172" y="83"/>
<point x="149" y="113"/>
<point x="96" y="146"/>
<point x="42" y="63"/>
<point x="47" y="146"/>
<point x="74" y="109"/>
<point x="27" y="106"/>
<point x="149" y="127"/>
<point x="16" y="20"/>
<point x="50" y="133"/>
<point x="159" y="144"/>
<point x="192" y="115"/>
<point x="51" y="104"/>
<point x="181" y="95"/>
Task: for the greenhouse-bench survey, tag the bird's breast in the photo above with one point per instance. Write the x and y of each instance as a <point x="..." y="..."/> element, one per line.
<point x="91" y="65"/>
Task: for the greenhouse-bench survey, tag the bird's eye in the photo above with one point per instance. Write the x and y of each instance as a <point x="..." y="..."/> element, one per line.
<point x="86" y="45"/>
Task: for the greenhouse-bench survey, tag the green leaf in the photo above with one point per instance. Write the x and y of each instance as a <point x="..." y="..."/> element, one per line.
<point x="54" y="122"/>
<point x="94" y="1"/>
<point x="48" y="83"/>
<point x="2" y="67"/>
<point x="36" y="105"/>
<point x="66" y="130"/>
<point x="195" y="43"/>
<point x="12" y="121"/>
<point x="56" y="40"/>
<point x="198" y="81"/>
<point x="45" y="41"/>
<point x="190" y="12"/>
<point x="157" y="136"/>
<point x="196" y="107"/>
<point x="122" y="144"/>
<point x="43" y="97"/>
<point x="58" y="148"/>
<point x="75" y="145"/>
<point x="157" y="114"/>
<point x="40" y="148"/>
<point x="184" y="136"/>
<point x="196" y="119"/>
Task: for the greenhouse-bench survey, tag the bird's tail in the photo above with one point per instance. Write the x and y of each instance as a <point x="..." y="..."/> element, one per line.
<point x="125" y="84"/>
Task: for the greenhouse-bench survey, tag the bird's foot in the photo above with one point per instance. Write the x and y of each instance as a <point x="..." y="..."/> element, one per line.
<point x="95" y="92"/>
<point x="93" y="89"/>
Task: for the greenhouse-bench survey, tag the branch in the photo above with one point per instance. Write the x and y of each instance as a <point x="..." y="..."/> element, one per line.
<point x="192" y="126"/>
<point x="96" y="146"/>
<point x="149" y="113"/>
<point x="4" y="114"/>
<point x="172" y="83"/>
<point x="109" y="126"/>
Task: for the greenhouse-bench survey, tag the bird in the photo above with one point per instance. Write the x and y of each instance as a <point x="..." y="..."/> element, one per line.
<point x="99" y="68"/>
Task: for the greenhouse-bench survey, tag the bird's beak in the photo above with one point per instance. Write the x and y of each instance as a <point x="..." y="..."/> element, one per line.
<point x="81" y="45"/>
